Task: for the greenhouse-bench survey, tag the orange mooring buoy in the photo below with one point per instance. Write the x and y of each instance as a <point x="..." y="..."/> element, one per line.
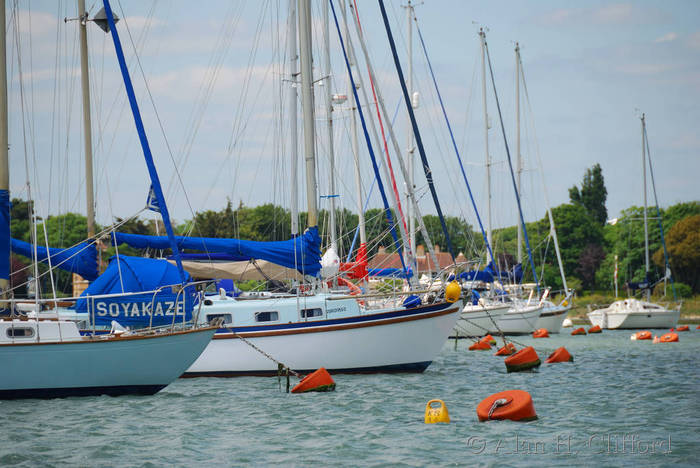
<point x="670" y="337"/>
<point x="698" y="327"/>
<point x="540" y="333"/>
<point x="559" y="355"/>
<point x="317" y="381"/>
<point x="595" y="329"/>
<point x="489" y="339"/>
<point x="515" y="405"/>
<point x="579" y="331"/>
<point x="683" y="328"/>
<point x="641" y="335"/>
<point x="523" y="360"/>
<point x="480" y="346"/>
<point x="507" y="350"/>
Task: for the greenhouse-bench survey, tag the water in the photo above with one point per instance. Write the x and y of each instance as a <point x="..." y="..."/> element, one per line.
<point x="617" y="403"/>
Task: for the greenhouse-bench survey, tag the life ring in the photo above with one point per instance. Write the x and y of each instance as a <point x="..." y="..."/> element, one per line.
<point x="540" y="333"/>
<point x="642" y="335"/>
<point x="669" y="338"/>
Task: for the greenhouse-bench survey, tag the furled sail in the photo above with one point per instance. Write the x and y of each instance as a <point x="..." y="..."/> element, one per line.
<point x="80" y="259"/>
<point x="302" y="253"/>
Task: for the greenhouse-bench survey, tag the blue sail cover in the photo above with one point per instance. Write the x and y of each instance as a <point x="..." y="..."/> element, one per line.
<point x="516" y="275"/>
<point x="302" y="253"/>
<point x="138" y="274"/>
<point x="393" y="272"/>
<point x="80" y="259"/>
<point x="5" y="234"/>
<point x="479" y="275"/>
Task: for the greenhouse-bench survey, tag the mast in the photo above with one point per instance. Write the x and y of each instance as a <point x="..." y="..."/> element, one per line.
<point x="353" y="136"/>
<point x="329" y="122"/>
<point x="646" y="227"/>
<point x="307" y="105"/>
<point x="482" y="36"/>
<point x="518" y="157"/>
<point x="87" y="125"/>
<point x="410" y="153"/>
<point x="292" y="58"/>
<point x="4" y="165"/>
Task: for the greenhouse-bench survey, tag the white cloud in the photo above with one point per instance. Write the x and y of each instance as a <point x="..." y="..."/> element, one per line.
<point x="666" y="38"/>
<point x="620" y="13"/>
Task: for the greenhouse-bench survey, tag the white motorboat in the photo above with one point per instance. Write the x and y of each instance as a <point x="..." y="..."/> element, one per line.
<point x="320" y="330"/>
<point x="48" y="359"/>
<point x="635" y="314"/>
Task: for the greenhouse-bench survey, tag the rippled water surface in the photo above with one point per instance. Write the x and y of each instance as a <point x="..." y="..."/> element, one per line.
<point x="620" y="403"/>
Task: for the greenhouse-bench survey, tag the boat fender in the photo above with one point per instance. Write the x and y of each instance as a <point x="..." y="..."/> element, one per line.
<point x="436" y="414"/>
<point x="514" y="405"/>
<point x="452" y="291"/>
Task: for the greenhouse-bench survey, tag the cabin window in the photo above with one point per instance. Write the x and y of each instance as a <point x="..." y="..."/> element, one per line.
<point x="208" y="302"/>
<point x="226" y="317"/>
<point x="271" y="316"/>
<point x="310" y="313"/>
<point x="20" y="332"/>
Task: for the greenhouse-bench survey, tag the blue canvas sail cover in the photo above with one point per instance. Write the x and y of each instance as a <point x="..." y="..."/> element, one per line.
<point x="516" y="275"/>
<point x="137" y="275"/>
<point x="80" y="259"/>
<point x="393" y="272"/>
<point x="5" y="234"/>
<point x="302" y="253"/>
<point x="477" y="275"/>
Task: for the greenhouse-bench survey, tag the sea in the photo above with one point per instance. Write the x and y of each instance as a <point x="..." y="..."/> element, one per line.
<point x="620" y="403"/>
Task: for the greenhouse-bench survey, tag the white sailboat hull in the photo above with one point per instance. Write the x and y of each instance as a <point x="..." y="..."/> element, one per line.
<point x="477" y="320"/>
<point x="518" y="320"/>
<point x="552" y="318"/>
<point x="395" y="341"/>
<point x="117" y="366"/>
<point x="634" y="314"/>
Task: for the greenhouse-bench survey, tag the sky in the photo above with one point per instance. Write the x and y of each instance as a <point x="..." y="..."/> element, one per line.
<point x="213" y="88"/>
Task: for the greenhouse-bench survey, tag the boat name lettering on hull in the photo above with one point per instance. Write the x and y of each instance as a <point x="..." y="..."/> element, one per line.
<point x="336" y="309"/>
<point x="136" y="309"/>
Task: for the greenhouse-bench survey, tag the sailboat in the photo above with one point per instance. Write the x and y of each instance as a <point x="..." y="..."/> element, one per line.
<point x="632" y="313"/>
<point x="50" y="358"/>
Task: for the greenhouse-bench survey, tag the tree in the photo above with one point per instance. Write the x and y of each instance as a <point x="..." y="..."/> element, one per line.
<point x="683" y="243"/>
<point x="592" y="194"/>
<point x="589" y="261"/>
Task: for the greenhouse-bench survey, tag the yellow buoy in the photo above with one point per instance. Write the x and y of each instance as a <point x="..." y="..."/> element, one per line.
<point x="452" y="291"/>
<point x="437" y="414"/>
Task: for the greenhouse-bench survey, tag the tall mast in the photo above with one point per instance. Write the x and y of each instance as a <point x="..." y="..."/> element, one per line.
<point x="292" y="58"/>
<point x="353" y="136"/>
<point x="307" y="104"/>
<point x="87" y="126"/>
<point x="329" y="122"/>
<point x="518" y="157"/>
<point x="482" y="36"/>
<point x="4" y="165"/>
<point x="646" y="228"/>
<point x="410" y="149"/>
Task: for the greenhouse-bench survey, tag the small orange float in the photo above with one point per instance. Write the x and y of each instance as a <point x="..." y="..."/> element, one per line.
<point x="579" y="331"/>
<point x="641" y="335"/>
<point x="480" y="346"/>
<point x="489" y="339"/>
<point x="540" y="333"/>
<point x="523" y="360"/>
<point x="560" y="355"/>
<point x="515" y="405"/>
<point x="595" y="329"/>
<point x="507" y="350"/>
<point x="683" y="328"/>
<point x="317" y="381"/>
<point x="669" y="338"/>
<point x="698" y="327"/>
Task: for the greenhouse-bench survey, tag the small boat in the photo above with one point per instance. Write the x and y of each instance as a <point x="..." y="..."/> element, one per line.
<point x="634" y="314"/>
